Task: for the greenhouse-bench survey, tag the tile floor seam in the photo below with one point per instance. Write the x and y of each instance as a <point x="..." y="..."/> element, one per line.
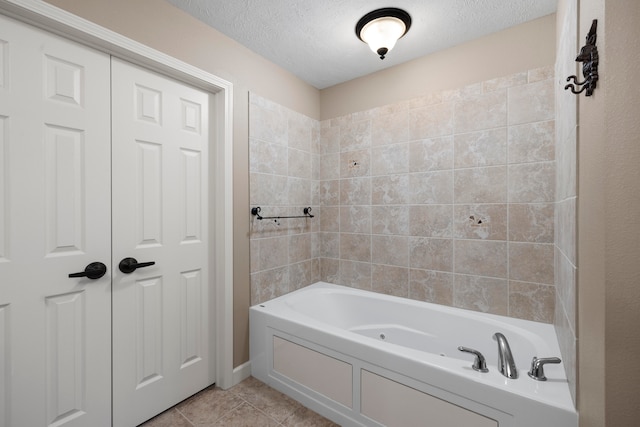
<point x="221" y="416"/>
<point x="184" y="416"/>
<point x="279" y="423"/>
<point x="242" y="401"/>
<point x="289" y="416"/>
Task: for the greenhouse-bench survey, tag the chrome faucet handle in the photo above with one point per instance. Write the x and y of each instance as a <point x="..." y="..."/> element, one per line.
<point x="537" y="367"/>
<point x="479" y="363"/>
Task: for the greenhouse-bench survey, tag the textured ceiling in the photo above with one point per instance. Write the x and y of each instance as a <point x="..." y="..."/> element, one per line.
<point x="316" y="41"/>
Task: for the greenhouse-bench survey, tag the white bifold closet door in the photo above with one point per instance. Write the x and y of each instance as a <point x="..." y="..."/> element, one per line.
<point x="101" y="163"/>
<point x="160" y="312"/>
<point x="55" y="217"/>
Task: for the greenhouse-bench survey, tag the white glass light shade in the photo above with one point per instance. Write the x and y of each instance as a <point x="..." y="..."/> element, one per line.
<point x="382" y="28"/>
<point x="383" y="33"/>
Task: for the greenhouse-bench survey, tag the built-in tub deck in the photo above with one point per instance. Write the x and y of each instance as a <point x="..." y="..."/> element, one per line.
<point x="366" y="359"/>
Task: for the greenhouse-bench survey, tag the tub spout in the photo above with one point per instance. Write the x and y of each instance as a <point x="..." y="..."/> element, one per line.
<point x="506" y="364"/>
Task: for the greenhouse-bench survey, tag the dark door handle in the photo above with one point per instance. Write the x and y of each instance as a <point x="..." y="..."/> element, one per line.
<point x="129" y="265"/>
<point x="93" y="271"/>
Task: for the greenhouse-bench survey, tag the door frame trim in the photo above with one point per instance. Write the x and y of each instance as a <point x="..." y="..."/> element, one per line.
<point x="67" y="25"/>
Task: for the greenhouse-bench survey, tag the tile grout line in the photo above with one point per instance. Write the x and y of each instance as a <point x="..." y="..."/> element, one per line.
<point x="508" y="203"/>
<point x="222" y="415"/>
<point x="264" y="413"/>
<point x="184" y="416"/>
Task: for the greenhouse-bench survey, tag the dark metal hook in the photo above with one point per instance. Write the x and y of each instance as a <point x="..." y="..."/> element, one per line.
<point x="575" y="81"/>
<point x="590" y="59"/>
<point x="573" y="88"/>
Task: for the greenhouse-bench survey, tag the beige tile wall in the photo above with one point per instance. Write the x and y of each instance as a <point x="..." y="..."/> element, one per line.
<point x="566" y="192"/>
<point x="447" y="198"/>
<point x="284" y="176"/>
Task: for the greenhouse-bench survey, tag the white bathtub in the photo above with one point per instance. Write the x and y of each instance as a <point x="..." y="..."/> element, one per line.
<point x="366" y="359"/>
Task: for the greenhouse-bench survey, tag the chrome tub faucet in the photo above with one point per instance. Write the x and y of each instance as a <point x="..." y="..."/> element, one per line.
<point x="506" y="364"/>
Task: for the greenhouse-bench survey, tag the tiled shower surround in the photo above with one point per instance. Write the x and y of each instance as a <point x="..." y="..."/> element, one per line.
<point x="447" y="198"/>
<point x="566" y="191"/>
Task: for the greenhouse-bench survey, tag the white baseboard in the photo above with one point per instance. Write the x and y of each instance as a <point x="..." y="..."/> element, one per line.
<point x="241" y="373"/>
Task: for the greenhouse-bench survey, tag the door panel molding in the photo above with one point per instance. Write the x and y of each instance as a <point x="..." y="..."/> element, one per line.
<point x="5" y="365"/>
<point x="148" y="336"/>
<point x="149" y="194"/>
<point x="191" y="196"/>
<point x="66" y="393"/>
<point x="4" y="179"/>
<point x="70" y="26"/>
<point x="65" y="191"/>
<point x="191" y="345"/>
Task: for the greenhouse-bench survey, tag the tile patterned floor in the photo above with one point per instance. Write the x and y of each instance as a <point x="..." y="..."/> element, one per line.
<point x="250" y="403"/>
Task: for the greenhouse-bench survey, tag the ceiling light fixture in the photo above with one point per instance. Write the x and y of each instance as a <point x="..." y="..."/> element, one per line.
<point x="382" y="28"/>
